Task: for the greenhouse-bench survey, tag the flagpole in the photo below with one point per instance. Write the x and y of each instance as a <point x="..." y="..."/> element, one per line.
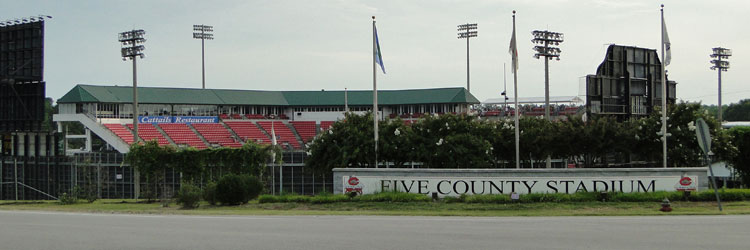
<point x="663" y="93"/>
<point x="374" y="90"/>
<point x="281" y="170"/>
<point x="515" y="91"/>
<point x="346" y="101"/>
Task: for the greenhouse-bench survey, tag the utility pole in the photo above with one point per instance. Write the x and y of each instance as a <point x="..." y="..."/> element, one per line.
<point x="720" y="63"/>
<point x="546" y="40"/>
<point x="203" y="34"/>
<point x="467" y="31"/>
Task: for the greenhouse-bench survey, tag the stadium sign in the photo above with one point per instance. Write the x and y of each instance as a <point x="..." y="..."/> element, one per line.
<point x="455" y="182"/>
<point x="178" y="119"/>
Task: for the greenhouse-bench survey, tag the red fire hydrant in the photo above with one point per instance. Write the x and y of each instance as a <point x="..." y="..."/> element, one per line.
<point x="665" y="206"/>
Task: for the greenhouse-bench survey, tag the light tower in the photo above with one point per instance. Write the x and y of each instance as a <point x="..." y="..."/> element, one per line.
<point x="546" y="42"/>
<point x="720" y="63"/>
<point x="203" y="33"/>
<point x="466" y="31"/>
<point x="132" y="49"/>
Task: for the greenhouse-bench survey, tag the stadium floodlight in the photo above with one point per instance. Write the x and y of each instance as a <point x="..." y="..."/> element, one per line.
<point x="203" y="33"/>
<point x="131" y="49"/>
<point x="720" y="63"/>
<point x="546" y="40"/>
<point x="467" y="31"/>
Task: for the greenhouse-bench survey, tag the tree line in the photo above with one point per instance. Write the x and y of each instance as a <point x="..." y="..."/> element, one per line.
<point x="464" y="141"/>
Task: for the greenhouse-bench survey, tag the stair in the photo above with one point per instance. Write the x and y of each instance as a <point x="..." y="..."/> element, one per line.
<point x="296" y="133"/>
<point x="166" y="136"/>
<point x="231" y="131"/>
<point x="200" y="136"/>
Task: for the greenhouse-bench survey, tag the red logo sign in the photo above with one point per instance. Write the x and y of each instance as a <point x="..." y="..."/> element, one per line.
<point x="353" y="181"/>
<point x="686" y="181"/>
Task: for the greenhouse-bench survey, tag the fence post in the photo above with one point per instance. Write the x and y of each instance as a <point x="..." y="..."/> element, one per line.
<point x="2" y="177"/>
<point x="136" y="183"/>
<point x="15" y="174"/>
<point x="99" y="179"/>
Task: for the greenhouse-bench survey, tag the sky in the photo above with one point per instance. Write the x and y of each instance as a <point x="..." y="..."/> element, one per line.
<point x="327" y="44"/>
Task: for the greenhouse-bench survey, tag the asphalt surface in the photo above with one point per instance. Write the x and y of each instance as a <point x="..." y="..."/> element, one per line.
<point x="50" y="230"/>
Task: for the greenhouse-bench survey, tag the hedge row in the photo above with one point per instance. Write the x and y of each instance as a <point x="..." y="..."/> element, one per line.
<point x="230" y="190"/>
<point x="330" y="198"/>
<point x="708" y="195"/>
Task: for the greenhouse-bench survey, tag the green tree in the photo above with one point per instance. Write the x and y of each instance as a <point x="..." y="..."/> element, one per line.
<point x="395" y="142"/>
<point x="740" y="161"/>
<point x="738" y="111"/>
<point x="683" y="150"/>
<point x="452" y="141"/>
<point x="502" y="139"/>
<point x="536" y="135"/>
<point x="349" y="143"/>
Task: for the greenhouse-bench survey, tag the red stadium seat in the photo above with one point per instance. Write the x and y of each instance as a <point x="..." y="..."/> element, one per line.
<point x="305" y="129"/>
<point x="248" y="131"/>
<point x="181" y="134"/>
<point x="148" y="132"/>
<point x="216" y="133"/>
<point x="282" y="131"/>
<point x="120" y="131"/>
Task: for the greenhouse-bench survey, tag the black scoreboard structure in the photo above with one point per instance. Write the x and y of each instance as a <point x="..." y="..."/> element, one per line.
<point x="22" y="86"/>
<point x="32" y="165"/>
<point x="627" y="84"/>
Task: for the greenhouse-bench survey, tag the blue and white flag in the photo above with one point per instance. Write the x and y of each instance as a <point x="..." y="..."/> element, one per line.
<point x="378" y="56"/>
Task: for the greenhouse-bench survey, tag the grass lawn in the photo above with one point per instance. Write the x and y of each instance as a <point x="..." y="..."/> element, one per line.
<point x="392" y="208"/>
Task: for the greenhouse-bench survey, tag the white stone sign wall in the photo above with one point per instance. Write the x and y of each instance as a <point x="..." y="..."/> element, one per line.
<point x="443" y="183"/>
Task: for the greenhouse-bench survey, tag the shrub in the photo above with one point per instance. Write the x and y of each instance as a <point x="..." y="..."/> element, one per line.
<point x="237" y="189"/>
<point x="488" y="198"/>
<point x="268" y="198"/>
<point x="71" y="197"/>
<point x="724" y="194"/>
<point x="253" y="187"/>
<point x="732" y="194"/>
<point x="297" y="198"/>
<point x="189" y="196"/>
<point x="657" y="196"/>
<point x="89" y="193"/>
<point x="459" y="199"/>
<point x="320" y="199"/>
<point x="551" y="197"/>
<point x="395" y="197"/>
<point x="209" y="193"/>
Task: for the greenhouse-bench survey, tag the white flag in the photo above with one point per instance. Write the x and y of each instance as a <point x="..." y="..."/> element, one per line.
<point x="665" y="40"/>
<point x="514" y="49"/>
<point x="273" y="135"/>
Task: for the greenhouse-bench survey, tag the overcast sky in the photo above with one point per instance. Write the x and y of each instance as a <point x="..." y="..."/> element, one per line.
<point x="326" y="44"/>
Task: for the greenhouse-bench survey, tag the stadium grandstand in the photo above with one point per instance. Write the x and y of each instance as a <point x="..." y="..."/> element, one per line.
<point x="207" y="118"/>
<point x="560" y="106"/>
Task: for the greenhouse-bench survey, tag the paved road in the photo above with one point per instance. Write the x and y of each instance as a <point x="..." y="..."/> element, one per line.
<point x="49" y="230"/>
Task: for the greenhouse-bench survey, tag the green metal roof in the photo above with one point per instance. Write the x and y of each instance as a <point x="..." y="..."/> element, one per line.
<point x="152" y="95"/>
